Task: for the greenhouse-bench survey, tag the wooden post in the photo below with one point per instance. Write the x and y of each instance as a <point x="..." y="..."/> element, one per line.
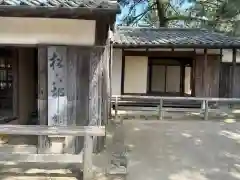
<point x="116" y="107"/>
<point x="15" y="69"/>
<point x="234" y="56"/>
<point x="206" y="110"/>
<point x="94" y="76"/>
<point x="205" y="77"/>
<point x="161" y="109"/>
<point x="203" y="105"/>
<point x="72" y="58"/>
<point x="182" y="75"/>
<point x="87" y="158"/>
<point x="110" y="81"/>
<point x="43" y="141"/>
<point x="82" y="91"/>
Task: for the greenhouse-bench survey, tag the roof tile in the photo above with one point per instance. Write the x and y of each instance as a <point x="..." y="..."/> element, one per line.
<point x="63" y="3"/>
<point x="172" y="37"/>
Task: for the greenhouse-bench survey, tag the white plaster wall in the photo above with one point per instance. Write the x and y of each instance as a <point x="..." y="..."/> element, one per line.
<point x="116" y="71"/>
<point x="187" y="80"/>
<point x="31" y="31"/>
<point x="227" y="56"/>
<point x="135" y="80"/>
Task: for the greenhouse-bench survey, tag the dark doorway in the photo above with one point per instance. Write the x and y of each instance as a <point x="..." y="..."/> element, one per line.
<point x="6" y="82"/>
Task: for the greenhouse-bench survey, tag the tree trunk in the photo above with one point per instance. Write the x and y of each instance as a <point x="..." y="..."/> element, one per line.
<point x="161" y="13"/>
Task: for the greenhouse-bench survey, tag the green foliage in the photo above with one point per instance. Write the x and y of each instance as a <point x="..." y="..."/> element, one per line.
<point x="218" y="15"/>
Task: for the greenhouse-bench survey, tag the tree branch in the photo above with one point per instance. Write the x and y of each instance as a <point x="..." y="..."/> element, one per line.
<point x="139" y="16"/>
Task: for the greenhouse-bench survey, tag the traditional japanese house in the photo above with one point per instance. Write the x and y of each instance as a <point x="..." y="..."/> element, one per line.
<point x="53" y="61"/>
<point x="175" y="62"/>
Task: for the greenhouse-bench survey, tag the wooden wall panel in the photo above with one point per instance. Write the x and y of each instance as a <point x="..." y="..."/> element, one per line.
<point x="213" y="76"/>
<point x="236" y="82"/>
<point x="213" y="70"/>
<point x="225" y="81"/>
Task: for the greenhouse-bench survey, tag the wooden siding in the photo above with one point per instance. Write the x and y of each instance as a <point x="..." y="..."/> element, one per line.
<point x="212" y="76"/>
<point x="225" y="81"/>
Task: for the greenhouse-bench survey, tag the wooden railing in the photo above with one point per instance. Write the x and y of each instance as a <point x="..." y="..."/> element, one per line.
<point x="205" y="102"/>
<point x="86" y="158"/>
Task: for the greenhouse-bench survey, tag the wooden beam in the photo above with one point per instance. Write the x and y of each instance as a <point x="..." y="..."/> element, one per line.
<point x="101" y="31"/>
<point x="40" y="158"/>
<point x="234" y="63"/>
<point x="158" y="54"/>
<point x="52" y="130"/>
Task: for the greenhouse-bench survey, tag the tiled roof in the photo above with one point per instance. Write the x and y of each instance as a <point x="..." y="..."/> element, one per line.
<point x="167" y="37"/>
<point x="106" y="4"/>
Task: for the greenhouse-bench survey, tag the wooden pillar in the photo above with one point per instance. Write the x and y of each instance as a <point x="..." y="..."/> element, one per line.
<point x="204" y="78"/>
<point x="110" y="80"/>
<point x="182" y="79"/>
<point x="71" y="90"/>
<point x="234" y="62"/>
<point x="205" y="74"/>
<point x="97" y="58"/>
<point x="43" y="141"/>
<point x="15" y="82"/>
<point x="82" y="90"/>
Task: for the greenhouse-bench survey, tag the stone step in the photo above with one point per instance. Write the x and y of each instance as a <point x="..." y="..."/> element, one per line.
<point x="22" y="149"/>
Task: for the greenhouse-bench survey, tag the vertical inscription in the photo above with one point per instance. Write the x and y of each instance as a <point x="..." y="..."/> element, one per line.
<point x="57" y="95"/>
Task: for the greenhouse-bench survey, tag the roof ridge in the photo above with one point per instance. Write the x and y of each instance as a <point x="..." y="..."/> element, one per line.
<point x="160" y="28"/>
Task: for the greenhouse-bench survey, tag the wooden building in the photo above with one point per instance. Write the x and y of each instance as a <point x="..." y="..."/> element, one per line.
<point x="175" y="62"/>
<point x="54" y="59"/>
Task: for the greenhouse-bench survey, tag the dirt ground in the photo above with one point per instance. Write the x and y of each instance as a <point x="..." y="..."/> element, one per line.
<point x="183" y="150"/>
<point x="157" y="150"/>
